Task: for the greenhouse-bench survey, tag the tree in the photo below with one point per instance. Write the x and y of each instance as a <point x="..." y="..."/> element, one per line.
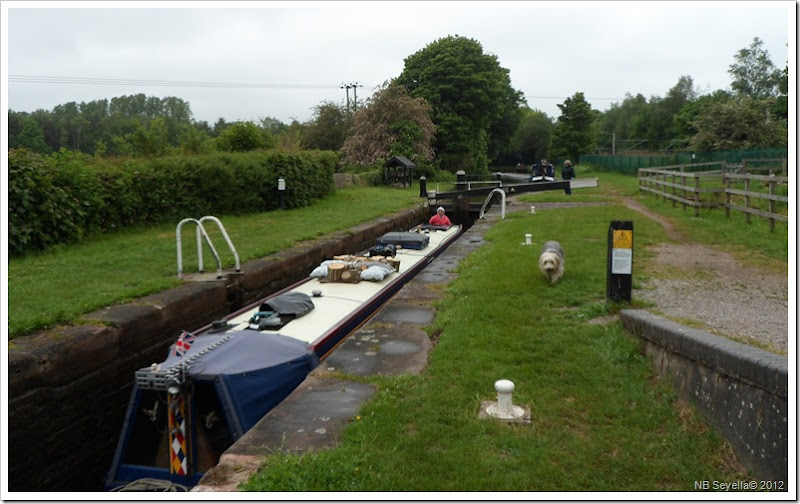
<point x="532" y="136"/>
<point x="29" y="137"/>
<point x="241" y="136"/>
<point x="683" y="123"/>
<point x="290" y="139"/>
<point x="473" y="104"/>
<point x="193" y="140"/>
<point x="738" y="123"/>
<point x="781" y="107"/>
<point x="754" y="74"/>
<point x="145" y="141"/>
<point x="574" y="131"/>
<point x="272" y="125"/>
<point x="328" y="129"/>
<point x="662" y="132"/>
<point x="624" y="121"/>
<point x="390" y="123"/>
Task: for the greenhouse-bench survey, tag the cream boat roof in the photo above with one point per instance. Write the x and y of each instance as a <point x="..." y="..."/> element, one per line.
<point x="340" y="300"/>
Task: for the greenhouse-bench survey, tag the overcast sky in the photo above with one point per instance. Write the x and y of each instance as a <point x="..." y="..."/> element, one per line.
<point x="300" y="53"/>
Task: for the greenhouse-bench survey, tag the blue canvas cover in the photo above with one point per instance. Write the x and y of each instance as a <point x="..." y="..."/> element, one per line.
<point x="252" y="371"/>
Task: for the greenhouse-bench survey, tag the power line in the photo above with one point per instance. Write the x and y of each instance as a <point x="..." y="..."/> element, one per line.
<point x="565" y="97"/>
<point x="48" y="79"/>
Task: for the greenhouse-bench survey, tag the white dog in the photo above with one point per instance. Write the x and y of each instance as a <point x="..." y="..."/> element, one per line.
<point x="551" y="261"/>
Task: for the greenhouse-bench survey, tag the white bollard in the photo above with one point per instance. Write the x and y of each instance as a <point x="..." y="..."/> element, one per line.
<point x="533" y="209"/>
<point x="504" y="405"/>
<point x="528" y="239"/>
<point x="504" y="408"/>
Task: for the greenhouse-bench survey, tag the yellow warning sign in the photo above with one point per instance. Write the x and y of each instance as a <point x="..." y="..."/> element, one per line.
<point x="623" y="239"/>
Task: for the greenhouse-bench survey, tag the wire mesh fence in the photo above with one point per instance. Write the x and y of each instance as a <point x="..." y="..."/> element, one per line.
<point x="630" y="164"/>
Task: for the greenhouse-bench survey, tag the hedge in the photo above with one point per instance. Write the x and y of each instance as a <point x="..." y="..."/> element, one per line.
<point x="68" y="196"/>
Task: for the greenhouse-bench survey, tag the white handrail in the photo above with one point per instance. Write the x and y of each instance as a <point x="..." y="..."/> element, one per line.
<point x="201" y="232"/>
<point x="489" y="198"/>
<point x="227" y="238"/>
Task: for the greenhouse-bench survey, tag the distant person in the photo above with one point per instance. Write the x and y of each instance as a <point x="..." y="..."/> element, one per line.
<point x="568" y="172"/>
<point x="440" y="219"/>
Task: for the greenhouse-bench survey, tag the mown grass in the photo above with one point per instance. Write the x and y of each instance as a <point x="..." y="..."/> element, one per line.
<point x="61" y="285"/>
<point x="600" y="421"/>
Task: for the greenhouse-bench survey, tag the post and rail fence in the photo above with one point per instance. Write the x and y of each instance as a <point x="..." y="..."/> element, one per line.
<point x="733" y="187"/>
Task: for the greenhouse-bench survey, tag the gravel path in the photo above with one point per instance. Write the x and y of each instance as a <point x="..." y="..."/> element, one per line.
<point x="710" y="288"/>
<point x="730" y="300"/>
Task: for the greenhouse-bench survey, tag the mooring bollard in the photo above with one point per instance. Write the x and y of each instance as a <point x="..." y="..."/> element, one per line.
<point x="461" y="181"/>
<point x="505" y="406"/>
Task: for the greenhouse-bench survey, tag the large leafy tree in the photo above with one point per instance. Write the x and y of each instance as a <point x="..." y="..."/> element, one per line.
<point x="625" y="123"/>
<point x="391" y="123"/>
<point x="752" y="116"/>
<point x="474" y="105"/>
<point x="574" y="132"/>
<point x="684" y="121"/>
<point x="754" y="74"/>
<point x="25" y="132"/>
<point x="738" y="123"/>
<point x="328" y="129"/>
<point x="243" y="136"/>
<point x="662" y="131"/>
<point x="532" y="136"/>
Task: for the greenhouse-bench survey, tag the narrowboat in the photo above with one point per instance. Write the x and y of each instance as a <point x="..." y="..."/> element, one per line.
<point x="219" y="380"/>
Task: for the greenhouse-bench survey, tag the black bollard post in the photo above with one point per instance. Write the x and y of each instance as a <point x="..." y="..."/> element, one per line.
<point x="461" y="180"/>
<point x="423" y="188"/>
<point x="619" y="275"/>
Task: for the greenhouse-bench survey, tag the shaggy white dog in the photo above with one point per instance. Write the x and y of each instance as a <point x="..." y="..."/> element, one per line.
<point x="551" y="261"/>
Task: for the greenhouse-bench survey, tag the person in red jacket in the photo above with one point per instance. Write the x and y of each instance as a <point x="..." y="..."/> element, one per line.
<point x="440" y="219"/>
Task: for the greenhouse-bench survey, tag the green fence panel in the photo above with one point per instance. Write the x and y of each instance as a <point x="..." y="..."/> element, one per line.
<point x="631" y="164"/>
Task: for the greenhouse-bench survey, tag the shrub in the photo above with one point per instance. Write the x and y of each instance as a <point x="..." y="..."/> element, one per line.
<point x="40" y="213"/>
<point x="68" y="196"/>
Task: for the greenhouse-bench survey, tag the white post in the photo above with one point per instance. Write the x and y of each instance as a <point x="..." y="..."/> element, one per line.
<point x="505" y="407"/>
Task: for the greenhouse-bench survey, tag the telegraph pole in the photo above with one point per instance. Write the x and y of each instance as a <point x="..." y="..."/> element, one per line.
<point x="346" y="88"/>
<point x="355" y="100"/>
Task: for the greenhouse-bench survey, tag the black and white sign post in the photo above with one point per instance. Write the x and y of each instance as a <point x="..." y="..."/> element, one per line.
<point x="281" y="192"/>
<point x="619" y="279"/>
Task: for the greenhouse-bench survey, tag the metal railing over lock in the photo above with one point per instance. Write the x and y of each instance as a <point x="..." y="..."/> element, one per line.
<point x="202" y="235"/>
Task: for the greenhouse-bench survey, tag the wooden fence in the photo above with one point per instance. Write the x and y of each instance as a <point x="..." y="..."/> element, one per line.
<point x="718" y="188"/>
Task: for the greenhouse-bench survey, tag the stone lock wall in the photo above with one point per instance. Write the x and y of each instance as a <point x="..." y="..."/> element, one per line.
<point x="741" y="390"/>
<point x="69" y="387"/>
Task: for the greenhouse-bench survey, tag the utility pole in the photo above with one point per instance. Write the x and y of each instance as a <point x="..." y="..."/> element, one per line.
<point x="355" y="100"/>
<point x="346" y="88"/>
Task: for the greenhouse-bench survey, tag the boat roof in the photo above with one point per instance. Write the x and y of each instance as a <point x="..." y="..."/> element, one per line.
<point x="236" y="352"/>
<point x="339" y="301"/>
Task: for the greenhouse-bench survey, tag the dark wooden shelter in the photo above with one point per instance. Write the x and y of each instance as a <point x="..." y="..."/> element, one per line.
<point x="398" y="171"/>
